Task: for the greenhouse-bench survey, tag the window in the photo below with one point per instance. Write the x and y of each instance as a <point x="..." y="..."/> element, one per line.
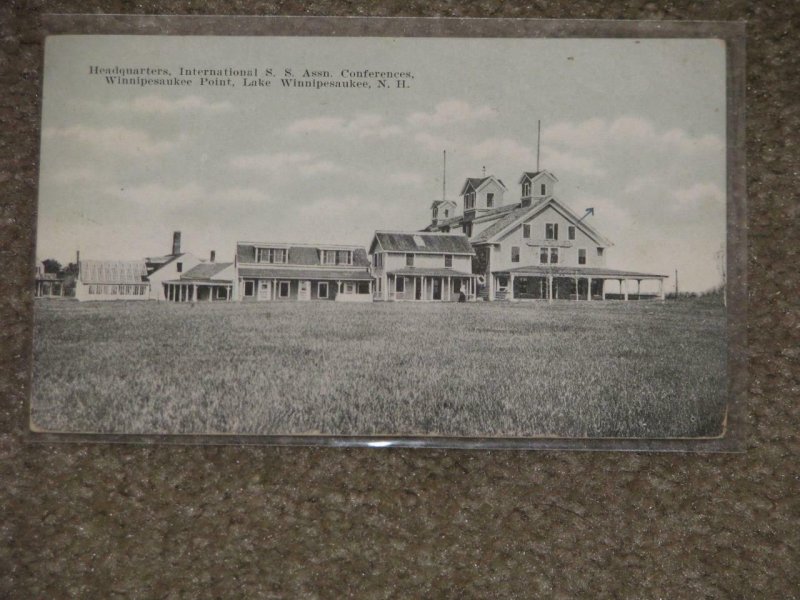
<point x="249" y="288"/>
<point x="514" y="253"/>
<point x="489" y="200"/>
<point x="599" y="251"/>
<point x="543" y="189"/>
<point x="363" y="287"/>
<point x="551" y="231"/>
<point x="435" y="212"/>
<point x="526" y="188"/>
<point x="468" y="229"/>
<point x="448" y="261"/>
<point x="400" y="285"/>
<point x="409" y="260"/>
<point x="548" y="255"/>
<point x="344" y="257"/>
<point x="526" y="230"/>
<point x="571" y="232"/>
<point x="327" y="257"/>
<point x="469" y="200"/>
<point x="581" y="256"/>
<point x="179" y="267"/>
<point x="272" y="255"/>
<point x="283" y="289"/>
<point x="322" y="290"/>
<point x="446" y="213"/>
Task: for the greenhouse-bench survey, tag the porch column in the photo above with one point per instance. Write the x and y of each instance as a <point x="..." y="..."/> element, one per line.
<point x="194" y="292"/>
<point x="626" y="288"/>
<point x="577" y="288"/>
<point x="511" y="287"/>
<point x="210" y="293"/>
<point x="638" y="289"/>
<point x="589" y="289"/>
<point x="449" y="289"/>
<point x="603" y="288"/>
<point x="661" y="288"/>
<point x="490" y="283"/>
<point x="385" y="287"/>
<point x="550" y="288"/>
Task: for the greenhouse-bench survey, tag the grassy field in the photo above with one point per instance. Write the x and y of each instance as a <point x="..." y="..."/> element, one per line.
<point x="531" y="369"/>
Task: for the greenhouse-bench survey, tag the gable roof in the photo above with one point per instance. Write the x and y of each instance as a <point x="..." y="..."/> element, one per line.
<point x="434" y="243"/>
<point x="478" y="182"/>
<point x="113" y="271"/>
<point x="534" y="174"/>
<point x="205" y="271"/>
<point x="490" y="234"/>
<point x="442" y="202"/>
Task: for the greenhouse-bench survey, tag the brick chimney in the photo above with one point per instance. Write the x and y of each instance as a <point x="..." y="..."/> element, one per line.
<point x="213" y="256"/>
<point x="176" y="242"/>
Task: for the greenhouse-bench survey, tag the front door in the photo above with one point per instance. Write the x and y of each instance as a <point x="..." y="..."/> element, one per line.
<point x="437" y="288"/>
<point x="304" y="290"/>
<point x="322" y="292"/>
<point x="249" y="288"/>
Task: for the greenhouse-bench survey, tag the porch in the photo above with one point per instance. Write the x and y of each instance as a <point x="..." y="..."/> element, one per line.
<point x="531" y="283"/>
<point x="430" y="285"/>
<point x="198" y="291"/>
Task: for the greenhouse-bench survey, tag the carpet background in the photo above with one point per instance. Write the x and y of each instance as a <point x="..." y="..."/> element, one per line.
<point x="105" y="521"/>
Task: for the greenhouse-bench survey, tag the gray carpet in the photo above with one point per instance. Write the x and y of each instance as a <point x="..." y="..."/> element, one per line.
<point x="105" y="521"/>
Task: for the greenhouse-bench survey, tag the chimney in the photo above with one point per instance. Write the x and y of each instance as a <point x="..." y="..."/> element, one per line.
<point x="176" y="242"/>
<point x="213" y="256"/>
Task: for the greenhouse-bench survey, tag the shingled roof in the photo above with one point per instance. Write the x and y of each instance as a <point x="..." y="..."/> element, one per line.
<point x="113" y="271"/>
<point x="422" y="242"/>
<point x="305" y="255"/>
<point x="204" y="271"/>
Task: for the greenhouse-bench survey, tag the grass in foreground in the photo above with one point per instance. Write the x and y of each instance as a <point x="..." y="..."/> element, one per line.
<point x="533" y="369"/>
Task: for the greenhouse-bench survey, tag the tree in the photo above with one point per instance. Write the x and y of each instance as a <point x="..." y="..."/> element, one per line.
<point x="51" y="265"/>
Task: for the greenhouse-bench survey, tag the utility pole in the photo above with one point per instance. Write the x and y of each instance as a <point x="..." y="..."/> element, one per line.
<point x="444" y="175"/>
<point x="538" y="141"/>
<point x="676" y="284"/>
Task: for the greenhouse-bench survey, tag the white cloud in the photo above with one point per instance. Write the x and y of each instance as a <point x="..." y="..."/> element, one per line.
<point x="451" y="112"/>
<point x="627" y="130"/>
<point x="361" y="126"/>
<point x="434" y="142"/>
<point x="159" y="195"/>
<point x="161" y="105"/>
<point x="119" y="140"/>
<point x="699" y="193"/>
<point x="405" y="178"/>
<point x="296" y="164"/>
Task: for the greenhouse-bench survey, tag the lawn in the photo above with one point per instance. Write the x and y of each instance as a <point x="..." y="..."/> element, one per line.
<point x="608" y="369"/>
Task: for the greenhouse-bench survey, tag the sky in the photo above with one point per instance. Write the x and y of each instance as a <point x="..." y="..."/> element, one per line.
<point x="632" y="128"/>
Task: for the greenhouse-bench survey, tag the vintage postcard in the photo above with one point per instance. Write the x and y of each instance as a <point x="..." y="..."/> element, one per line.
<point x="383" y="236"/>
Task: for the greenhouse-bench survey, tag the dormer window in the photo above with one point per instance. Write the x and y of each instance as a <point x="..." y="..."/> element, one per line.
<point x="179" y="267"/>
<point x="526" y="188"/>
<point x="469" y="200"/>
<point x="409" y="260"/>
<point x="448" y="261"/>
<point x="419" y="241"/>
<point x="344" y="257"/>
<point x="543" y="189"/>
<point x="489" y="200"/>
<point x="435" y="212"/>
<point x="327" y="257"/>
<point x="446" y="213"/>
<point x="272" y="255"/>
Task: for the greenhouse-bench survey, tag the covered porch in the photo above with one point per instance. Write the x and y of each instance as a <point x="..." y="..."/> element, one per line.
<point x="430" y="285"/>
<point x="586" y="283"/>
<point x="198" y="291"/>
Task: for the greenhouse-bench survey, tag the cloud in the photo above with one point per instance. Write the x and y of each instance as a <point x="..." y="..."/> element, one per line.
<point x="153" y="104"/>
<point x="112" y="140"/>
<point x="627" y="130"/>
<point x="361" y="126"/>
<point x="508" y="152"/>
<point x="451" y="112"/>
<point x="699" y="193"/>
<point x="405" y="178"/>
<point x="290" y="163"/>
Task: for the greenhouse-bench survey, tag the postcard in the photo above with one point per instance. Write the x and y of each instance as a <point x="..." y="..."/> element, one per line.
<point x="381" y="237"/>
